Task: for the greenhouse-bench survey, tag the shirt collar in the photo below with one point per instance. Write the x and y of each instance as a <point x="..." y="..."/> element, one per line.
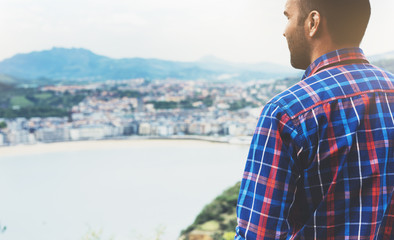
<point x="335" y="58"/>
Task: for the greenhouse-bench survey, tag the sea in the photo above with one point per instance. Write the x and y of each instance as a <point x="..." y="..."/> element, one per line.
<point x="135" y="191"/>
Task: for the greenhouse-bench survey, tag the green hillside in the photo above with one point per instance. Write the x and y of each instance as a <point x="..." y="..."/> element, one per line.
<point x="5" y="79"/>
<point x="32" y="102"/>
<point x="217" y="220"/>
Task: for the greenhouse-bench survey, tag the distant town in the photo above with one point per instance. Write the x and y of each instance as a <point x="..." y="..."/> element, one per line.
<point x="138" y="108"/>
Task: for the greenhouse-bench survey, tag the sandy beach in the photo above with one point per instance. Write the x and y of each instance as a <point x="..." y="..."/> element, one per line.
<point x="43" y="148"/>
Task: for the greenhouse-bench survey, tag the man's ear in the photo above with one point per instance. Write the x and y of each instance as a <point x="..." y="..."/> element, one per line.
<point x="313" y="23"/>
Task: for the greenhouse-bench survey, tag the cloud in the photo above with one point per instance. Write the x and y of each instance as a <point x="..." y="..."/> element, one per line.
<point x="116" y="20"/>
<point x="245" y="31"/>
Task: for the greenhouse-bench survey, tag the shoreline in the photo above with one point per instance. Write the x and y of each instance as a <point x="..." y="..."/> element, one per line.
<point x="117" y="143"/>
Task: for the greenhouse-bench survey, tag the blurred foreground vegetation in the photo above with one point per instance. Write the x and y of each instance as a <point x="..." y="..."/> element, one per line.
<point x="98" y="234"/>
<point x="217" y="219"/>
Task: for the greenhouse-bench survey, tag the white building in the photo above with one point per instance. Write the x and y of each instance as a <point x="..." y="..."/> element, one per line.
<point x="87" y="133"/>
<point x="144" y="129"/>
<point x="2" y="139"/>
<point x="52" y="134"/>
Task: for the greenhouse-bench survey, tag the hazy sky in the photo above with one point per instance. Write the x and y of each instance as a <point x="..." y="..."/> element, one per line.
<point x="186" y="30"/>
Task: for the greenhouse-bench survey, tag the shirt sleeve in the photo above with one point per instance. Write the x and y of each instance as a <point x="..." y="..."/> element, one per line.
<point x="270" y="178"/>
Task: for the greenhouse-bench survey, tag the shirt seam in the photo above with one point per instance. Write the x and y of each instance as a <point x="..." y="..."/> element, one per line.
<point x="337" y="98"/>
<point x="299" y="140"/>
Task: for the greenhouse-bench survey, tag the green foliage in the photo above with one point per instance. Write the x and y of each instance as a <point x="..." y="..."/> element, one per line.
<point x="20" y="101"/>
<point x="164" y="104"/>
<point x="217" y="236"/>
<point x="95" y="235"/>
<point x="221" y="210"/>
<point x="3" y="125"/>
<point x="223" y="236"/>
<point x="208" y="102"/>
<point x="210" y="226"/>
<point x="54" y="99"/>
<point x="184" y="104"/>
<point x="43" y="96"/>
<point x="5" y="86"/>
<point x="29" y="112"/>
<point x="157" y="234"/>
<point x="92" y="235"/>
<point x="187" y="104"/>
<point x="240" y="104"/>
<point x="3" y="229"/>
<point x="229" y="225"/>
<point x="228" y="235"/>
<point x="31" y="102"/>
<point x="128" y="93"/>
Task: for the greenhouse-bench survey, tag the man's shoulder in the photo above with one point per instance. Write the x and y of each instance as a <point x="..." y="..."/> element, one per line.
<point x="331" y="84"/>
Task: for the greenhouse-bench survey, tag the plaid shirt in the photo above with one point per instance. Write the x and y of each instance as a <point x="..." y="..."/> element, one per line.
<point x="321" y="162"/>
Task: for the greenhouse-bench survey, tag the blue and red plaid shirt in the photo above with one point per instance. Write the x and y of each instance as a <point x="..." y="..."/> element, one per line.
<point x="321" y="162"/>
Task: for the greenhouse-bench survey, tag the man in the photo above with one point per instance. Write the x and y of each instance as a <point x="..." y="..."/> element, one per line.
<point x="321" y="162"/>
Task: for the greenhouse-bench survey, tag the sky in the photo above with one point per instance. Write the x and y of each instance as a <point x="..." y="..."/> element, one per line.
<point x="181" y="30"/>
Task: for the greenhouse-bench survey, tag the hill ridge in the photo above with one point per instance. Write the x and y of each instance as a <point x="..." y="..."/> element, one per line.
<point x="79" y="64"/>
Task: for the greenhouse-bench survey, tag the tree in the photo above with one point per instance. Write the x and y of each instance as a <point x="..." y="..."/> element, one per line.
<point x="3" y="125"/>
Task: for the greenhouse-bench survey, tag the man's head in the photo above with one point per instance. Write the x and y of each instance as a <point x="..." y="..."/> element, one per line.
<point x="317" y="26"/>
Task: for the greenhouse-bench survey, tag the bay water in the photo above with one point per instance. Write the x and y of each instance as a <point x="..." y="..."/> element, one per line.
<point x="127" y="192"/>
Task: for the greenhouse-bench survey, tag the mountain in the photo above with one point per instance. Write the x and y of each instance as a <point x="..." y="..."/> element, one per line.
<point x="385" y="61"/>
<point x="81" y="64"/>
<point x="8" y="80"/>
<point x="77" y="64"/>
<point x="387" y="64"/>
<point x="382" y="56"/>
<point x="213" y="63"/>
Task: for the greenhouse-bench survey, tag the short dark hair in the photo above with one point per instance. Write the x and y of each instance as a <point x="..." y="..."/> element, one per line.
<point x="347" y="20"/>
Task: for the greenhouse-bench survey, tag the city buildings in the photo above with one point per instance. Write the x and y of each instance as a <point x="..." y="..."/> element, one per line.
<point x="162" y="109"/>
